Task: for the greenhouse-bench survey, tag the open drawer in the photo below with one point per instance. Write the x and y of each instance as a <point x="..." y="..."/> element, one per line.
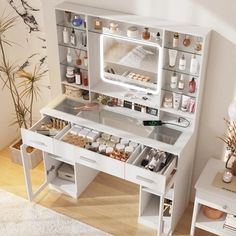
<point x="156" y="181"/>
<point x="95" y="160"/>
<point x="38" y="140"/>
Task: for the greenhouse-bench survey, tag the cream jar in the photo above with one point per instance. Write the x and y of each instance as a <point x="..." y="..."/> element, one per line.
<point x="120" y="147"/>
<point x="106" y="136"/>
<point x="115" y="139"/>
<point x="133" y="144"/>
<point x="94" y="146"/>
<point x="132" y="32"/>
<point x="109" y="150"/>
<point x="124" y="141"/>
<point x="113" y="27"/>
<point x="110" y="144"/>
<point x="129" y="150"/>
<point x="101" y="141"/>
<point x="102" y="149"/>
<point x="92" y="136"/>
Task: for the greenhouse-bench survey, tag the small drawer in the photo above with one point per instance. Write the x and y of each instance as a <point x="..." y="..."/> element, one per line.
<point x="217" y="202"/>
<point x="36" y="140"/>
<point x="153" y="180"/>
<point x="100" y="162"/>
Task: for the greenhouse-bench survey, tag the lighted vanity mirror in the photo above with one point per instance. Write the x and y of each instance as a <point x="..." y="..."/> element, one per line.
<point x="131" y="63"/>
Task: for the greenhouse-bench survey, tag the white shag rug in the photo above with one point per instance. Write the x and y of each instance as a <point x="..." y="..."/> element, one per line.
<point x="19" y="217"/>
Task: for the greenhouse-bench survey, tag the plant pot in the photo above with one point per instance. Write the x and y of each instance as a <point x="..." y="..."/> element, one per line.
<point x="35" y="156"/>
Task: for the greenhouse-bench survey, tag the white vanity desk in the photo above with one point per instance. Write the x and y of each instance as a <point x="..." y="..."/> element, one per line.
<point x="148" y="82"/>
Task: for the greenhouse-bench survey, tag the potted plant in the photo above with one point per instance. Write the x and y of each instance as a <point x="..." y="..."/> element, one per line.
<point x="23" y="88"/>
<point x="230" y="139"/>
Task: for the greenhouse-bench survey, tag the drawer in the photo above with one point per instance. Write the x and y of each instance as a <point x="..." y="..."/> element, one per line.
<point x="153" y="180"/>
<point x="100" y="162"/>
<point x="217" y="201"/>
<point x="36" y="140"/>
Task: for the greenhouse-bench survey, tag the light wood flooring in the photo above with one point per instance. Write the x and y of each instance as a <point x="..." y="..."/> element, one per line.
<point x="109" y="203"/>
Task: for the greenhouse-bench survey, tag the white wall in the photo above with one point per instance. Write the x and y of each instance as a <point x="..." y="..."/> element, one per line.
<point x="29" y="44"/>
<point x="220" y="86"/>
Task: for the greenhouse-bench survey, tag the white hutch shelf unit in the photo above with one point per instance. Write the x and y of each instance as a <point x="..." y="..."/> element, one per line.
<point x="130" y="78"/>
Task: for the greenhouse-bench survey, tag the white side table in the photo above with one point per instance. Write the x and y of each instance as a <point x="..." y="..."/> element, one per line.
<point x="214" y="197"/>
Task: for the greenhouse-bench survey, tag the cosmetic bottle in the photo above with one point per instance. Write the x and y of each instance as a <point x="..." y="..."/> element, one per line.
<point x="172" y="57"/>
<point x="158" y="36"/>
<point x="69" y="56"/>
<point x="77" y="21"/>
<point x="173" y="80"/>
<point x="149" y="156"/>
<point x="175" y="40"/>
<point x="146" y="34"/>
<point x="182" y="63"/>
<point x="198" y="44"/>
<point x="194" y="65"/>
<point x="67" y="16"/>
<point x="181" y="83"/>
<point x="98" y="24"/>
<point x="176" y="100"/>
<point x="186" y="41"/>
<point x="78" y="77"/>
<point x="85" y="60"/>
<point x="192" y="85"/>
<point x="73" y="37"/>
<point x="65" y="36"/>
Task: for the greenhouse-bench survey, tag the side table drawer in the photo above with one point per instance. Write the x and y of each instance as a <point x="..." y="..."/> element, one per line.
<point x="217" y="202"/>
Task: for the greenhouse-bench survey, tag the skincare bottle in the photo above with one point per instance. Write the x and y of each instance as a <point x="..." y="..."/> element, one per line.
<point x="73" y="37"/>
<point x="176" y="40"/>
<point x="185" y="103"/>
<point x="176" y="100"/>
<point x="173" y="80"/>
<point x="194" y="65"/>
<point x="69" y="56"/>
<point x="181" y="83"/>
<point x="192" y="85"/>
<point x="198" y="44"/>
<point x="65" y="36"/>
<point x="186" y="41"/>
<point x="85" y="60"/>
<point x="182" y="63"/>
<point x="191" y="105"/>
<point x="98" y="24"/>
<point x="172" y="57"/>
<point x="78" y="77"/>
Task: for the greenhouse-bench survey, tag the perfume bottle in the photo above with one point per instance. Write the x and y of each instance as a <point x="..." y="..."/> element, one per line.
<point x="182" y="63"/>
<point x="181" y="82"/>
<point x="98" y="24"/>
<point x="186" y="41"/>
<point x="194" y="65"/>
<point x="173" y="80"/>
<point x="69" y="56"/>
<point x="65" y="36"/>
<point x="73" y="37"/>
<point x="77" y="21"/>
<point x="175" y="40"/>
<point x="67" y="16"/>
<point x="192" y="85"/>
<point x="146" y="34"/>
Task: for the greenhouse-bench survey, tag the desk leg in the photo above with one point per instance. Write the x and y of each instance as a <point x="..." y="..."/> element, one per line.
<point x="195" y="212"/>
<point x="160" y="221"/>
<point x="26" y="167"/>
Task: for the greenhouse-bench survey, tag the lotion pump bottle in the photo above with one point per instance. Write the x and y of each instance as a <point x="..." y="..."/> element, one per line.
<point x="65" y="36"/>
<point x="194" y="65"/>
<point x="182" y="63"/>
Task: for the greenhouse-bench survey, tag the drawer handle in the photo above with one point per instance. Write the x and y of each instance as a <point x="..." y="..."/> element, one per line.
<point x="144" y="179"/>
<point x="87" y="159"/>
<point x="38" y="143"/>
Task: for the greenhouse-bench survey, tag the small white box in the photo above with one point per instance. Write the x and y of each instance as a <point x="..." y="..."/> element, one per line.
<point x="66" y="171"/>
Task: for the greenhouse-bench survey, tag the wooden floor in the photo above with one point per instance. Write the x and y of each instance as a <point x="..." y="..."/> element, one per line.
<point x="109" y="203"/>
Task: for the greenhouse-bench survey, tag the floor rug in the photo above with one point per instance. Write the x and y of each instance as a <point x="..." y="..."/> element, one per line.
<point x="19" y="217"/>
